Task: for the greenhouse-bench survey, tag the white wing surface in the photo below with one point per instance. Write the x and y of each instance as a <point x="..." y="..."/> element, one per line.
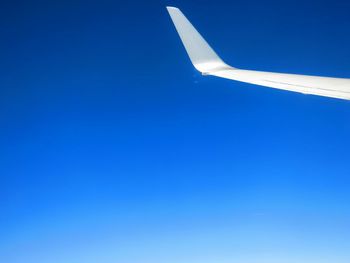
<point x="205" y="60"/>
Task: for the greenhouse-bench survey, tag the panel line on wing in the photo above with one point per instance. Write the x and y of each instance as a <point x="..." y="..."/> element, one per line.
<point x="301" y="86"/>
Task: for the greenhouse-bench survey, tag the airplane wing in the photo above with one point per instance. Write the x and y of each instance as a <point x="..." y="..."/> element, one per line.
<point x="205" y="60"/>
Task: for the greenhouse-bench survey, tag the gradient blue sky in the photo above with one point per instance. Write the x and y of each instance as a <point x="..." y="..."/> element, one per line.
<point x="114" y="149"/>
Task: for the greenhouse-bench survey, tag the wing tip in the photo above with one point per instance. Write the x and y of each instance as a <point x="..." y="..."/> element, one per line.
<point x="172" y="8"/>
<point x="203" y="57"/>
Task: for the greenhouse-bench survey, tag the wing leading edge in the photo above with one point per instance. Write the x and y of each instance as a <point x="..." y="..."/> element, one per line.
<point x="205" y="60"/>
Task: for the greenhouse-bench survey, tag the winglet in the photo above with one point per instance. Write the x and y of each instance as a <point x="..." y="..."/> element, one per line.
<point x="203" y="57"/>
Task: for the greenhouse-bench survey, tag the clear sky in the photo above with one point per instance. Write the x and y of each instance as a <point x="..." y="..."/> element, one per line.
<point x="114" y="149"/>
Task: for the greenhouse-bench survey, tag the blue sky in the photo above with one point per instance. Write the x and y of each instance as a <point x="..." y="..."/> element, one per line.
<point x="114" y="149"/>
